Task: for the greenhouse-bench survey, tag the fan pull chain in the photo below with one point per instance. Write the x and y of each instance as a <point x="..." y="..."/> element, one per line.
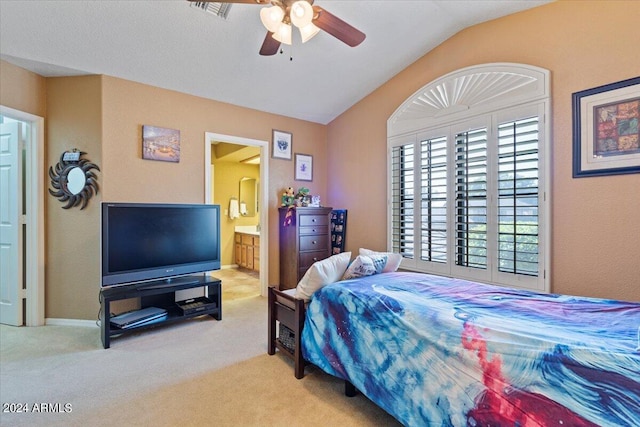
<point x="290" y="52"/>
<point x="293" y="40"/>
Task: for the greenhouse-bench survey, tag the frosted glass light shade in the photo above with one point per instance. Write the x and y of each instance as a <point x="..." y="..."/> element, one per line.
<point x="283" y="33"/>
<point x="271" y="17"/>
<point x="301" y="13"/>
<point x="308" y="31"/>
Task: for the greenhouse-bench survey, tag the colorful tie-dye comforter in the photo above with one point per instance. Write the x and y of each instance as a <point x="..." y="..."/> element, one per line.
<point x="434" y="351"/>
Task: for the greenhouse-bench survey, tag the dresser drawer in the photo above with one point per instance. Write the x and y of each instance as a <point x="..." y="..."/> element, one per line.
<point x="314" y="243"/>
<point x="247" y="239"/>
<point x="314" y="230"/>
<point x="308" y="258"/>
<point x="309" y="220"/>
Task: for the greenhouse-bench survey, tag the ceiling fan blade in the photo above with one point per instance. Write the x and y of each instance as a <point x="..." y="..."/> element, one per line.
<point x="270" y="45"/>
<point x="337" y="27"/>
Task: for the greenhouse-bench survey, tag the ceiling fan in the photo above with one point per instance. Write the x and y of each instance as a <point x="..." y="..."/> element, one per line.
<point x="309" y="20"/>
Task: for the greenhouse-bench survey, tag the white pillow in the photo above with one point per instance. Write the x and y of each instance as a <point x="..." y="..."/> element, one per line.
<point x="393" y="259"/>
<point x="322" y="273"/>
<point x="365" y="265"/>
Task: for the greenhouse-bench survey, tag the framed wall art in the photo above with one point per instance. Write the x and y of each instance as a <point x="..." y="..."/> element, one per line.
<point x="160" y="144"/>
<point x="281" y="142"/>
<point x="606" y="133"/>
<point x="304" y="167"/>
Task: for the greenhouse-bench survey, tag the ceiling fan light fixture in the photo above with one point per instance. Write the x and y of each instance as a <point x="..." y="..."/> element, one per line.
<point x="283" y="33"/>
<point x="301" y="13"/>
<point x="308" y="31"/>
<point x="271" y="17"/>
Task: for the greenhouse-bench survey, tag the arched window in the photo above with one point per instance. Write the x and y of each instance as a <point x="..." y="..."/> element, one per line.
<point x="468" y="176"/>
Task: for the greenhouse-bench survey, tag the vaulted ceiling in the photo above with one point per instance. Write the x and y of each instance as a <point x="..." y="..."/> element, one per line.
<point x="178" y="46"/>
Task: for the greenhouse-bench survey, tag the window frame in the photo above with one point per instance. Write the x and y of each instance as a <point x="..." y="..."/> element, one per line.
<point x="506" y="109"/>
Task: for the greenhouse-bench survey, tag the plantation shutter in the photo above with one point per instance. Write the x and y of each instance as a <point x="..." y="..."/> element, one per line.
<point x="518" y="202"/>
<point x="471" y="171"/>
<point x="433" y="206"/>
<point x="402" y="206"/>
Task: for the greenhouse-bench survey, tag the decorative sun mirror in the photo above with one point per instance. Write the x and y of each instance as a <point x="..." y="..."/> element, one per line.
<point x="73" y="180"/>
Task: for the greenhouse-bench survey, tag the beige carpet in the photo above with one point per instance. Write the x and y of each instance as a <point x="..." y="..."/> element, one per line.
<point x="201" y="372"/>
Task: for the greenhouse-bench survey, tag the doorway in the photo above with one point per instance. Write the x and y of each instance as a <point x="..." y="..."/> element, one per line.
<point x="22" y="218"/>
<point x="262" y="200"/>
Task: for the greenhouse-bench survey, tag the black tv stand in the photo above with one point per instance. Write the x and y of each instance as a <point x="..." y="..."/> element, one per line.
<point x="159" y="294"/>
<point x="170" y="283"/>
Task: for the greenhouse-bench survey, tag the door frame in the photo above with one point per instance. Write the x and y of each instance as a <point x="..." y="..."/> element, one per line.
<point x="209" y="139"/>
<point x="34" y="259"/>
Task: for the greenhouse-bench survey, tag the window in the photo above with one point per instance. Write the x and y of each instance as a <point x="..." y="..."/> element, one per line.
<point x="468" y="199"/>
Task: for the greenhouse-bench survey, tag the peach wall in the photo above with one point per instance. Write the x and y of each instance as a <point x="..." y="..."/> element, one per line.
<point x="72" y="249"/>
<point x="22" y="90"/>
<point x="127" y="177"/>
<point x="103" y="116"/>
<point x="595" y="227"/>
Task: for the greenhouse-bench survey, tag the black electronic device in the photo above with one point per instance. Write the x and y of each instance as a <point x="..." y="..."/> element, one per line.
<point x="160" y="242"/>
<point x="195" y="305"/>
<point x="135" y="318"/>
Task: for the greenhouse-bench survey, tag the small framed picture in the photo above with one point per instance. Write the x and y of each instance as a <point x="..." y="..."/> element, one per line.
<point x="606" y="129"/>
<point x="160" y="144"/>
<point x="282" y="142"/>
<point x="304" y="167"/>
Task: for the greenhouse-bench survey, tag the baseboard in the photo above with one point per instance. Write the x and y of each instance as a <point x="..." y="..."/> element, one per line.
<point x="70" y="322"/>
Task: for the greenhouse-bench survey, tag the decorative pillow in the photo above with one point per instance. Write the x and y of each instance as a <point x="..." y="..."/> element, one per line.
<point x="365" y="266"/>
<point x="393" y="259"/>
<point x="322" y="273"/>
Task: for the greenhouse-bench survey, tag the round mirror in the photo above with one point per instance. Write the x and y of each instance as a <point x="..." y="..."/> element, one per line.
<point x="75" y="180"/>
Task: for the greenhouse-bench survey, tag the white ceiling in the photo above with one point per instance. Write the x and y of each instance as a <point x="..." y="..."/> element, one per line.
<point x="172" y="45"/>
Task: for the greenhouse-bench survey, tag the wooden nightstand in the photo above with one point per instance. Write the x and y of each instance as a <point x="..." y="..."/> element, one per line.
<point x="290" y="312"/>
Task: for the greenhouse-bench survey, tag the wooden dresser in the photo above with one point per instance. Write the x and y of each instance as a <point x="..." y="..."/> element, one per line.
<point x="306" y="240"/>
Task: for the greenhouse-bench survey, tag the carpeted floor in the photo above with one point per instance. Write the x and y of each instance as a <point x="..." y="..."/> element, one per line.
<point x="200" y="372"/>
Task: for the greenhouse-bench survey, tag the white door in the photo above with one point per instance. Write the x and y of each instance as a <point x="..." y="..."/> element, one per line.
<point x="10" y="213"/>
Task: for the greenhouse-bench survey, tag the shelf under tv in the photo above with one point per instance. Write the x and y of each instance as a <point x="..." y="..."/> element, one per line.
<point x="159" y="294"/>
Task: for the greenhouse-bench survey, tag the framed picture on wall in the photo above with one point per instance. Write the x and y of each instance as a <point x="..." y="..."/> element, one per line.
<point x="304" y="167"/>
<point x="160" y="144"/>
<point x="281" y="144"/>
<point x="606" y="132"/>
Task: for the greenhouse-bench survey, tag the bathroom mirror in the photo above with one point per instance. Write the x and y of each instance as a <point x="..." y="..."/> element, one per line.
<point x="248" y="196"/>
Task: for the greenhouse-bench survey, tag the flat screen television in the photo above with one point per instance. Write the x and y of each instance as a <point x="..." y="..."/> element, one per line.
<point x="154" y="242"/>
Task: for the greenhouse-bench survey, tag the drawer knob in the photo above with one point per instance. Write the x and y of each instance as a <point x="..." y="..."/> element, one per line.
<point x="315" y="258"/>
<point x="314" y="230"/>
<point x="314" y="242"/>
<point x="313" y="220"/>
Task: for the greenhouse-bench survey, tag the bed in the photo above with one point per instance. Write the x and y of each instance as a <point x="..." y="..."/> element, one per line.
<point x="437" y="351"/>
